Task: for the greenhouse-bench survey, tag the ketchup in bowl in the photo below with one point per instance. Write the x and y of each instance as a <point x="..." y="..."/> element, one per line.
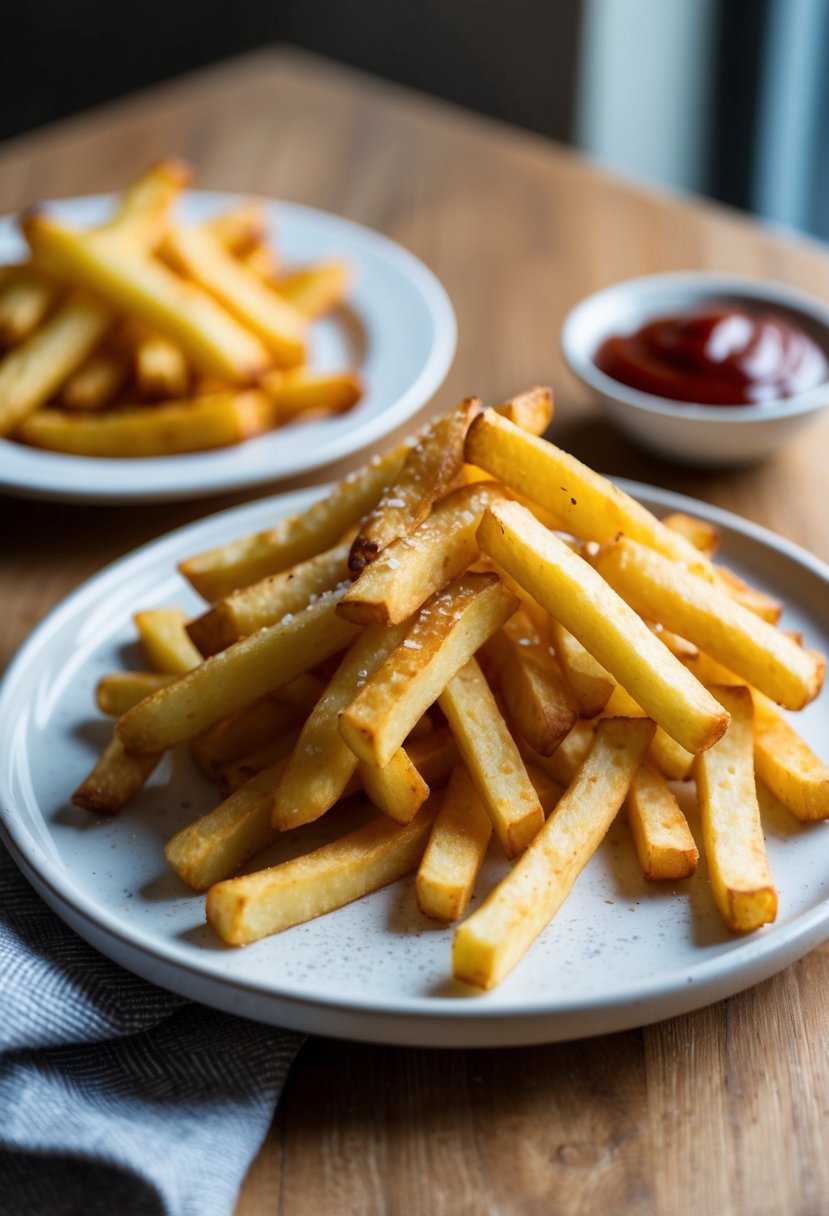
<point x="724" y="356"/>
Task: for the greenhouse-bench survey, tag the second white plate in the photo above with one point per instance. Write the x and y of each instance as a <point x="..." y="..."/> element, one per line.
<point x="621" y="952"/>
<point x="398" y="328"/>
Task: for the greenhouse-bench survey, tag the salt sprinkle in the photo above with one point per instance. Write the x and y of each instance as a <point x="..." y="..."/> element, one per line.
<point x="395" y="502"/>
<point x="393" y="563"/>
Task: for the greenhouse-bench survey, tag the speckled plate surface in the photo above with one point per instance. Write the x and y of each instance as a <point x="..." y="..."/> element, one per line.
<point x="620" y="953"/>
<point x="397" y="327"/>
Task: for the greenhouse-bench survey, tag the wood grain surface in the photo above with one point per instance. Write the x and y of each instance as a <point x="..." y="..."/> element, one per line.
<point x="721" y="1112"/>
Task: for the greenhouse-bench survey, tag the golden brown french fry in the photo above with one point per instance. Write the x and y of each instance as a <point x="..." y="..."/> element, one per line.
<point x="662" y="838"/>
<point x="495" y="937"/>
<point x="455" y="852"/>
<point x="245" y="909"/>
<point x="161" y="371"/>
<point x="752" y="598"/>
<point x="397" y="788"/>
<point x="492" y="759"/>
<point x="413" y="567"/>
<point x="569" y="588"/>
<point x="231" y="776"/>
<point x="236" y="735"/>
<point x="119" y="691"/>
<point x="269" y="600"/>
<point x="97" y="382"/>
<point x="196" y="252"/>
<point x="694" y="608"/>
<point x="163" y="636"/>
<point x="702" y="534"/>
<point x="431" y="467"/>
<point x="581" y="501"/>
<point x="532" y="411"/>
<point x="241" y="229"/>
<point x="169" y="427"/>
<point x="568" y="757"/>
<point x="216" y="844"/>
<point x="444" y="634"/>
<point x="433" y="755"/>
<point x="225" y="682"/>
<point x="315" y="290"/>
<point x="115" y="780"/>
<point x="33" y="372"/>
<point x="301" y="391"/>
<point x="142" y="213"/>
<point x="787" y="764"/>
<point x="140" y="286"/>
<point x="218" y="572"/>
<point x="322" y="764"/>
<point x="589" y="683"/>
<point x="538" y="702"/>
<point x="738" y="867"/>
<point x="26" y="299"/>
<point x="263" y="262"/>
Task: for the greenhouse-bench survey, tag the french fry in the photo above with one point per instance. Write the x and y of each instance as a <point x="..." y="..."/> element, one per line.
<point x="241" y="229"/>
<point x="787" y="764"/>
<point x="224" y="682"/>
<point x="322" y="764"/>
<point x="568" y="757"/>
<point x="759" y="602"/>
<point x="26" y="299"/>
<point x="738" y="868"/>
<point x="670" y="758"/>
<point x="170" y="427"/>
<point x="115" y="780"/>
<point x="216" y="844"/>
<point x="445" y="633"/>
<point x="455" y="852"/>
<point x="269" y="600"/>
<point x="235" y="773"/>
<point x="246" y="909"/>
<point x="32" y="372"/>
<point x="242" y="731"/>
<point x="196" y="252"/>
<point x="163" y="635"/>
<point x="161" y="371"/>
<point x="538" y="702"/>
<point x="702" y="534"/>
<point x="397" y="788"/>
<point x="492" y="759"/>
<point x="300" y="391"/>
<point x="581" y="501"/>
<point x="589" y="683"/>
<point x="431" y="467"/>
<point x="142" y="287"/>
<point x="97" y="382"/>
<point x="661" y="836"/>
<point x="315" y="290"/>
<point x="532" y="411"/>
<point x="142" y="214"/>
<point x="571" y="590"/>
<point x="264" y="263"/>
<point x="218" y="572"/>
<point x="716" y="623"/>
<point x="413" y="567"/>
<point x="119" y="691"/>
<point x="494" y="938"/>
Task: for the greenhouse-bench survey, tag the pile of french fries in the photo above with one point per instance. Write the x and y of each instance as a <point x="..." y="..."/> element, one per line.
<point x="150" y="336"/>
<point x="481" y="638"/>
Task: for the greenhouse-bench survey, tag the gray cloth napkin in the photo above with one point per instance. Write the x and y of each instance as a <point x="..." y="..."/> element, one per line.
<point x="115" y="1096"/>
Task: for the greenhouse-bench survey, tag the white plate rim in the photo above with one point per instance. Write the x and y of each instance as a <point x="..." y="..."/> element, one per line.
<point x="420" y="1022"/>
<point x="55" y="476"/>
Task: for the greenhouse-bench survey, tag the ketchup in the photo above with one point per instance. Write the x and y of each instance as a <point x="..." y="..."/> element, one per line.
<point x="730" y="356"/>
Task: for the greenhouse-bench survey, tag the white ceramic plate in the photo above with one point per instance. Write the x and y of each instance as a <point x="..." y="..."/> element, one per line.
<point x="620" y="953"/>
<point x="398" y="327"/>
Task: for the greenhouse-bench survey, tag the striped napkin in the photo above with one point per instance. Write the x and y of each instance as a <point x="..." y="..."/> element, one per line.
<point x="115" y="1096"/>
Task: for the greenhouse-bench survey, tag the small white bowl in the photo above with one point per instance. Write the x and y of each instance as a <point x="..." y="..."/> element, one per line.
<point x="712" y="435"/>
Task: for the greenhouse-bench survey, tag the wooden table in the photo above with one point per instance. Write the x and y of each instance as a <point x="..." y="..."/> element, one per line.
<point x="719" y="1112"/>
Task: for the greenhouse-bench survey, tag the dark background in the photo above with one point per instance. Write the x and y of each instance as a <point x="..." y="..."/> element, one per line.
<point x="514" y="59"/>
